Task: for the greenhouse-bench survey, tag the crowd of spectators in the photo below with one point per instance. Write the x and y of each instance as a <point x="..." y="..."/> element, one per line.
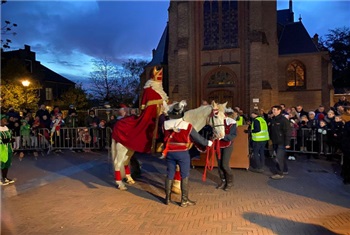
<point x="26" y="125"/>
<point x="317" y="131"/>
<point x="313" y="130"/>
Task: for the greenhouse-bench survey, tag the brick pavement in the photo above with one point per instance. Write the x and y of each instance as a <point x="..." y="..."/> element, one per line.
<point x="74" y="193"/>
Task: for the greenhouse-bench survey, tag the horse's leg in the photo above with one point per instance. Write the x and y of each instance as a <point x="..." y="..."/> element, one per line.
<point x="117" y="153"/>
<point x="129" y="179"/>
<point x="177" y="181"/>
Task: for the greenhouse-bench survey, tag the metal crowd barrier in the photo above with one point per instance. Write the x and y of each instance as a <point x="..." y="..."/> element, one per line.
<point x="310" y="141"/>
<point x="78" y="138"/>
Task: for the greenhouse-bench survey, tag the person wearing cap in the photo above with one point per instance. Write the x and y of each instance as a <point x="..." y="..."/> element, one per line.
<point x="71" y="109"/>
<point x="226" y="148"/>
<point x="280" y="134"/>
<point x="259" y="136"/>
<point x="178" y="137"/>
<point x="6" y="151"/>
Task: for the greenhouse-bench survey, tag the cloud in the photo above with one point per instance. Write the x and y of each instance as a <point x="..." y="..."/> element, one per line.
<point x="69" y="33"/>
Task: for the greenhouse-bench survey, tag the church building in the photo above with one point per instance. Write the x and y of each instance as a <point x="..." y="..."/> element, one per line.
<point x="243" y="52"/>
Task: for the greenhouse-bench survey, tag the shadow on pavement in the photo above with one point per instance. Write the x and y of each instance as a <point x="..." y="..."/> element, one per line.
<point x="292" y="227"/>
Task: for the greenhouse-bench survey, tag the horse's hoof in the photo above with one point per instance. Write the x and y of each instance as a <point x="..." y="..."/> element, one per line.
<point x="122" y="187"/>
<point x="129" y="180"/>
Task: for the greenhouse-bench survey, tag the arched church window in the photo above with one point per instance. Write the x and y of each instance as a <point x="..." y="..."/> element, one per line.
<point x="221" y="79"/>
<point x="296" y="75"/>
<point x="220" y="24"/>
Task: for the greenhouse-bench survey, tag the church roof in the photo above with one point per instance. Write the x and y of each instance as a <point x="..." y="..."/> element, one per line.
<point x="51" y="76"/>
<point x="294" y="39"/>
<point x="160" y="55"/>
<point x="284" y="16"/>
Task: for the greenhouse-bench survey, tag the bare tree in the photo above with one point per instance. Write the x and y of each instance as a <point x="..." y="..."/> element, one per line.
<point x="132" y="70"/>
<point x="116" y="85"/>
<point x="337" y="42"/>
<point x="104" y="79"/>
<point x="6" y="29"/>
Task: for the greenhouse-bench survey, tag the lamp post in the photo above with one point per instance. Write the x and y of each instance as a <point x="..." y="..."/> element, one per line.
<point x="26" y="84"/>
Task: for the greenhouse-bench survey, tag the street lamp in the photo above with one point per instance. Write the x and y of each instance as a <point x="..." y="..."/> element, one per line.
<point x="26" y="83"/>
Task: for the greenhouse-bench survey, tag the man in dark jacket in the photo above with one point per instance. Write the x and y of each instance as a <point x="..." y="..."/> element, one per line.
<point x="280" y="134"/>
<point x="301" y="111"/>
<point x="346" y="151"/>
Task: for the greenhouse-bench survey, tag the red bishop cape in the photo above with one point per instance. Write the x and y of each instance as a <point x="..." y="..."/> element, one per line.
<point x="137" y="132"/>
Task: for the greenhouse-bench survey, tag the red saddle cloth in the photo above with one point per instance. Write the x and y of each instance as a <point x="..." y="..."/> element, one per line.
<point x="136" y="132"/>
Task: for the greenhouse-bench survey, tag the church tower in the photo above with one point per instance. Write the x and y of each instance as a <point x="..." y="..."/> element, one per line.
<point x="243" y="52"/>
<point x="217" y="51"/>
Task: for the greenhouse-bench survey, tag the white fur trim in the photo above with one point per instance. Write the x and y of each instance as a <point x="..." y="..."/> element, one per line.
<point x="157" y="87"/>
<point x="176" y="124"/>
<point x="230" y="121"/>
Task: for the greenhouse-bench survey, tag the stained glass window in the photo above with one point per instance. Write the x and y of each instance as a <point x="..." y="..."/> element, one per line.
<point x="221" y="78"/>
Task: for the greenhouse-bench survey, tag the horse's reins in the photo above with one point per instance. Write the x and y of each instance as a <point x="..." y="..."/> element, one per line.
<point x="214" y="149"/>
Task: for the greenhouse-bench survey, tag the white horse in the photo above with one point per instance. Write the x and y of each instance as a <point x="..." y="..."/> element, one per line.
<point x="213" y="115"/>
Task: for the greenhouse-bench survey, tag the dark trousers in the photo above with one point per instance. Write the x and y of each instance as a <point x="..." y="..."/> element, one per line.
<point x="281" y="159"/>
<point x="345" y="173"/>
<point x="181" y="158"/>
<point x="224" y="168"/>
<point x="259" y="153"/>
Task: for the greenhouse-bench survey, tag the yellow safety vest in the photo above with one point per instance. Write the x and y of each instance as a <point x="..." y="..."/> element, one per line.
<point x="263" y="134"/>
<point x="239" y="122"/>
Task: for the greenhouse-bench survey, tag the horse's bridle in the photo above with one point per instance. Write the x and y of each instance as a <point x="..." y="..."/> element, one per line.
<point x="210" y="120"/>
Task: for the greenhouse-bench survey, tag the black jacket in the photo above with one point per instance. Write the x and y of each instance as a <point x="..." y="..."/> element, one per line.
<point x="346" y="139"/>
<point x="280" y="130"/>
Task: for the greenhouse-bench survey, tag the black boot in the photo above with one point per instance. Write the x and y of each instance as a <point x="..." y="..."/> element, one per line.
<point x="185" y="201"/>
<point x="168" y="185"/>
<point x="222" y="184"/>
<point x="229" y="183"/>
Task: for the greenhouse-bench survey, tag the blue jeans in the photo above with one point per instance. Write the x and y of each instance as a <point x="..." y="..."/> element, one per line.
<point x="182" y="159"/>
<point x="281" y="159"/>
<point x="259" y="153"/>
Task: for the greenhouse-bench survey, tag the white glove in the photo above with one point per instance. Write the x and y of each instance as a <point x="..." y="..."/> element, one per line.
<point x="210" y="143"/>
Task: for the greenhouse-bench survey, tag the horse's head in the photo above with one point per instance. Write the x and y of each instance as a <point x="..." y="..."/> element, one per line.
<point x="213" y="115"/>
<point x="216" y="119"/>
